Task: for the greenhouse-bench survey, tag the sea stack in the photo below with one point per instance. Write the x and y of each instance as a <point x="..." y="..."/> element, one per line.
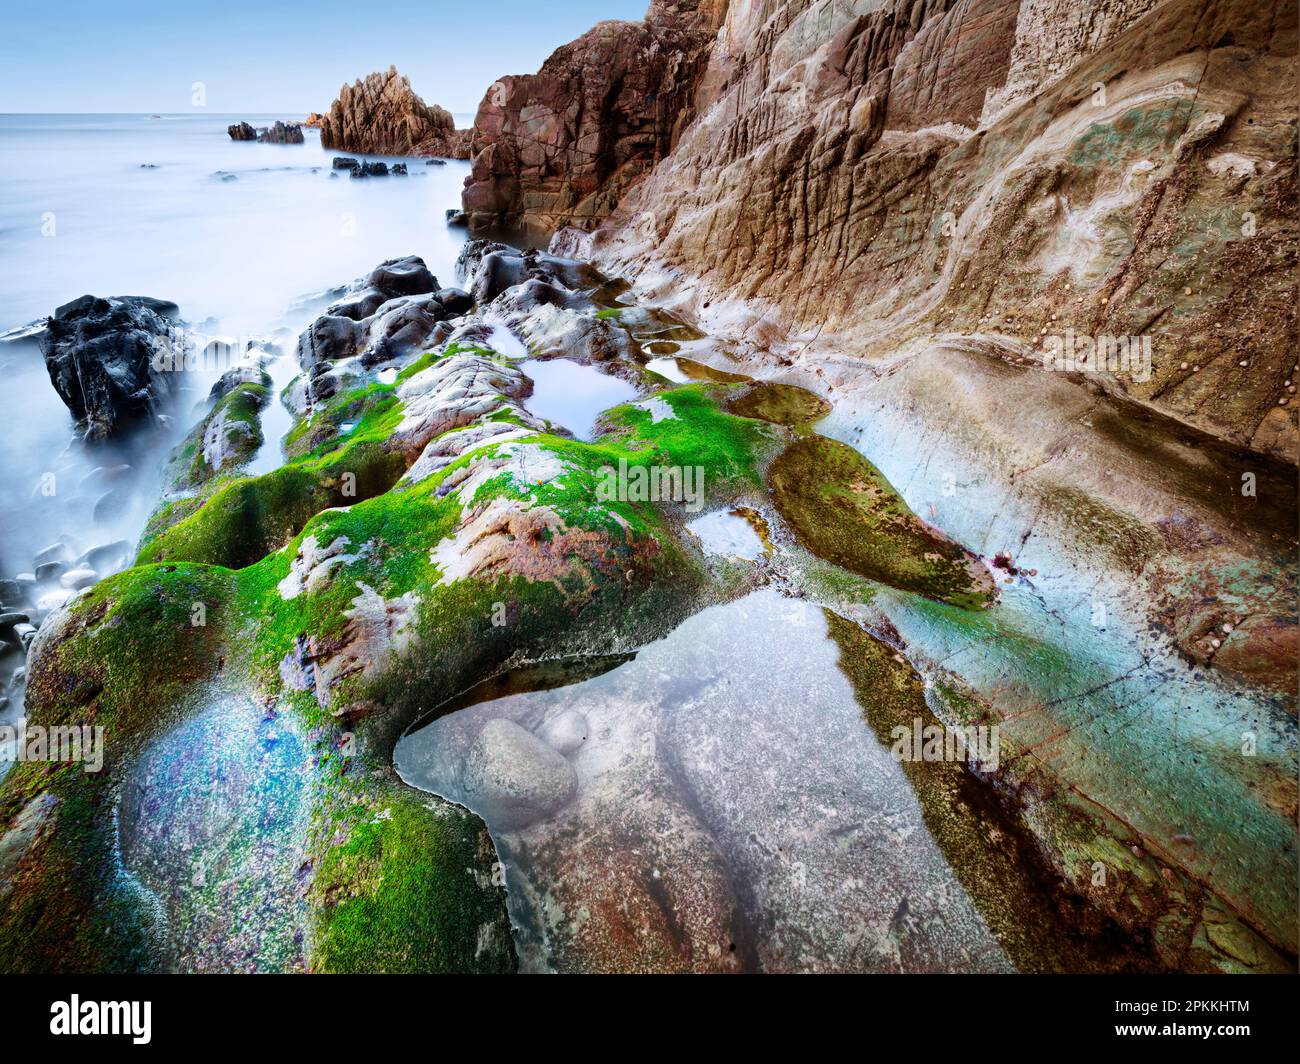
<point x="382" y="115"/>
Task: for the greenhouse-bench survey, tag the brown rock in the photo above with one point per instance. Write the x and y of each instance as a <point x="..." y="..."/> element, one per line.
<point x="562" y="147"/>
<point x="383" y="115"/>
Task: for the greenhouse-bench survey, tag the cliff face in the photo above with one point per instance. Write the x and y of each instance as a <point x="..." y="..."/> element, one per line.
<point x="1007" y="170"/>
<point x="383" y="115"/>
<point x="563" y="146"/>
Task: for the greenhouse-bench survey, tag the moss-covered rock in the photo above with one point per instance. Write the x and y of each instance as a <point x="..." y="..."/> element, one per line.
<point x="843" y="509"/>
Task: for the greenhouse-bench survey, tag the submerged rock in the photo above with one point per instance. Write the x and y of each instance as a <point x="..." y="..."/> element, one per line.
<point x="101" y="355"/>
<point x="513" y="777"/>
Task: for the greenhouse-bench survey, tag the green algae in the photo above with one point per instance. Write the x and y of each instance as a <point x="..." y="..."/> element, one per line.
<point x="842" y="509"/>
<point x="781" y="404"/>
<point x="700" y="433"/>
<point x="394" y="895"/>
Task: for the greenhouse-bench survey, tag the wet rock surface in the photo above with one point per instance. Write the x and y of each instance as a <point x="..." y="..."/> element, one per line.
<point x="750" y="824"/>
<point x="101" y="356"/>
<point x="716" y="802"/>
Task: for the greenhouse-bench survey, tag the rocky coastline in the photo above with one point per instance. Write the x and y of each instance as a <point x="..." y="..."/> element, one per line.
<point x="826" y="248"/>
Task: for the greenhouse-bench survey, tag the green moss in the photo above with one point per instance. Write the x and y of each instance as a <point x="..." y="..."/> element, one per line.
<point x="245" y="519"/>
<point x="842" y="508"/>
<point x="701" y="434"/>
<point x="126" y="656"/>
<point x="400" y="893"/>
<point x="241" y="407"/>
<point x="397" y="877"/>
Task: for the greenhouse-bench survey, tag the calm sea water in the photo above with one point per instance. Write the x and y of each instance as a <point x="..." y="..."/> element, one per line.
<point x="141" y="205"/>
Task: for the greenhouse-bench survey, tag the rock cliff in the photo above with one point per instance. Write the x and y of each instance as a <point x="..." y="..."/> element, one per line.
<point x="561" y="147"/>
<point x="382" y="114"/>
<point x="1038" y="175"/>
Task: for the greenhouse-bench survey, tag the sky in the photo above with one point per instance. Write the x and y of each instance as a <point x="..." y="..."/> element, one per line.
<point x="275" y="56"/>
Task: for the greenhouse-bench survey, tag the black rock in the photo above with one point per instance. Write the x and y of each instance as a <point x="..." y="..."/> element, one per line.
<point x="455" y="300"/>
<point x="111" y="360"/>
<point x="329" y="338"/>
<point x="242" y="131"/>
<point x="407" y="276"/>
<point x="343" y="162"/>
<point x="435" y="162"/>
<point x="401" y="327"/>
<point x="48" y="572"/>
<point x="399" y="169"/>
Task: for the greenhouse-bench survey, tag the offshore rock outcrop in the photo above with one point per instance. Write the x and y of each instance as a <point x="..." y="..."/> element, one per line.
<point x="382" y="115"/>
<point x="280" y="133"/>
<point x="562" y="147"/>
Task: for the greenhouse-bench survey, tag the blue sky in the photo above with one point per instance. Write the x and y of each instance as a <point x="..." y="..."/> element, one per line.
<point x="278" y="55"/>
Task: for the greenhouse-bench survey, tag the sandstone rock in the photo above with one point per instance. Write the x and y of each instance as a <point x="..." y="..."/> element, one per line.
<point x="280" y="133"/>
<point x="563" y="146"/>
<point x="242" y="131"/>
<point x="101" y="356"/>
<point x="382" y="115"/>
<point x="969" y="167"/>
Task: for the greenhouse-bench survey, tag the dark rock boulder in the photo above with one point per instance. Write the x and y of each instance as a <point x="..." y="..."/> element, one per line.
<point x="328" y="339"/>
<point x="385" y="315"/>
<point x="401" y="327"/>
<point x="113" y="361"/>
<point x="492" y="268"/>
<point x="280" y="133"/>
<point x="455" y="300"/>
<point x="407" y="276"/>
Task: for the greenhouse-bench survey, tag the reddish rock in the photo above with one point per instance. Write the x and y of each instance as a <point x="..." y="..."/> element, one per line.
<point x="381" y="114"/>
<point x="562" y="147"/>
